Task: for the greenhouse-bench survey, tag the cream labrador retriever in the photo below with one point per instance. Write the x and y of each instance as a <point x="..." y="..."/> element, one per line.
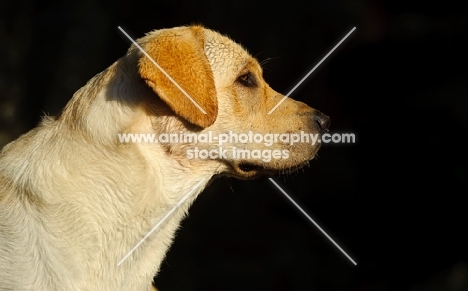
<point x="76" y="197"/>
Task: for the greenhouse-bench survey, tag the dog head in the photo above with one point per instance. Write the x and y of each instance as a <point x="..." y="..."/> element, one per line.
<point x="218" y="95"/>
<point x="196" y="83"/>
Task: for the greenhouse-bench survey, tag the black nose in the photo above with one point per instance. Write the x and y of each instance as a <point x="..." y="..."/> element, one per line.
<point x="322" y="121"/>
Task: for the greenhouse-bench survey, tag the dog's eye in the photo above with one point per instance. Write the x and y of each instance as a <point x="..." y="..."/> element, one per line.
<point x="248" y="80"/>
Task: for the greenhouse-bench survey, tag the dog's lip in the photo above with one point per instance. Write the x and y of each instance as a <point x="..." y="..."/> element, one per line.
<point x="249" y="167"/>
<point x="246" y="170"/>
<point x="252" y="170"/>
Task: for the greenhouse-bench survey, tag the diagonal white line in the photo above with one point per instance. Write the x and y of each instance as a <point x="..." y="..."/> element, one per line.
<point x="310" y="218"/>
<point x="161" y="221"/>
<point x="161" y="69"/>
<point x="308" y="74"/>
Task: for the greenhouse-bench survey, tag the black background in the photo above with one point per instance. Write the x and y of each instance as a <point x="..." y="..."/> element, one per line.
<point x="393" y="200"/>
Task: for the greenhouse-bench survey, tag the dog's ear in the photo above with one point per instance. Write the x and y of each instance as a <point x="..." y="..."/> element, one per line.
<point x="180" y="53"/>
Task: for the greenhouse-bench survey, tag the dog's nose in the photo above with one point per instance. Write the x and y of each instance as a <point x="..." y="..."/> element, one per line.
<point x="322" y="121"/>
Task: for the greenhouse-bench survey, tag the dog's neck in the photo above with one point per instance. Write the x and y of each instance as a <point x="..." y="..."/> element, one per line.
<point x="108" y="103"/>
<point x="144" y="181"/>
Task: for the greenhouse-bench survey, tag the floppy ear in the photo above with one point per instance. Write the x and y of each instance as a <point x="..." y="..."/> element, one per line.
<point x="180" y="53"/>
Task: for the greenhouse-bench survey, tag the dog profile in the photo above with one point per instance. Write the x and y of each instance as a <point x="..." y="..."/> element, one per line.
<point x="75" y="199"/>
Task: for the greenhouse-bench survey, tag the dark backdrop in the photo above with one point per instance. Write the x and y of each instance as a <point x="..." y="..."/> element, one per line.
<point x="393" y="200"/>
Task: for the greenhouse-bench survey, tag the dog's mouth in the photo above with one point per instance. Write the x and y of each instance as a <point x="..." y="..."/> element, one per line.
<point x="247" y="167"/>
<point x="248" y="170"/>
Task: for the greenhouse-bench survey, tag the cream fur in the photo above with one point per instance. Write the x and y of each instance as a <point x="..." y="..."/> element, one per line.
<point x="74" y="200"/>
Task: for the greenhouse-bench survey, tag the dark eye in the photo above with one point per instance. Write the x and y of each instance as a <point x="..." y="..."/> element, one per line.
<point x="247" y="80"/>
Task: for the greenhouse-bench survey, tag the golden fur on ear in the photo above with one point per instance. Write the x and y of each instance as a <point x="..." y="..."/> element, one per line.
<point x="180" y="53"/>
